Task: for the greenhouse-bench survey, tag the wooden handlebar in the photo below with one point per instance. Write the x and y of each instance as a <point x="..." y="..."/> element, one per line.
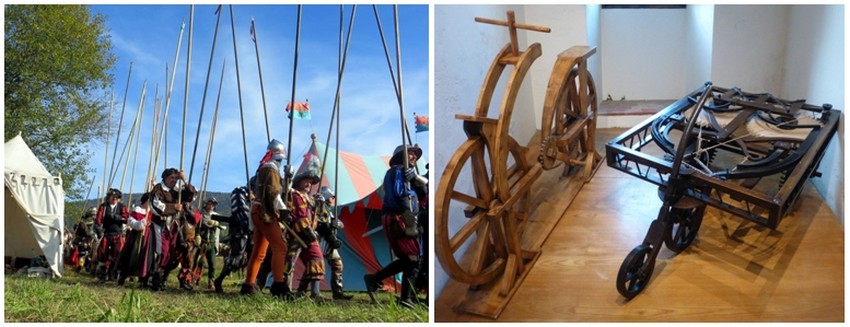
<point x="512" y="26"/>
<point x="535" y="28"/>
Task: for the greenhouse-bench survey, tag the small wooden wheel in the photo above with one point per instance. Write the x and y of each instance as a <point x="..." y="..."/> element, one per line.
<point x="683" y="227"/>
<point x="635" y="271"/>
<point x="469" y="209"/>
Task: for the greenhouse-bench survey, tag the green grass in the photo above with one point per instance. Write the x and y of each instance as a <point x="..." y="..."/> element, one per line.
<point x="79" y="298"/>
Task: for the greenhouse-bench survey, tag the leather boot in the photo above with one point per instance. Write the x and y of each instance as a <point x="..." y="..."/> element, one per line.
<point x="217" y="285"/>
<point x="156" y="281"/>
<point x="316" y="292"/>
<point x="248" y="289"/>
<point x="339" y="295"/>
<point x="281" y="290"/>
<point x="371" y="287"/>
<point x="302" y="287"/>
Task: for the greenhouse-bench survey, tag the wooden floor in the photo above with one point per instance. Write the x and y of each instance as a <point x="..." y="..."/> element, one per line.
<point x="735" y="271"/>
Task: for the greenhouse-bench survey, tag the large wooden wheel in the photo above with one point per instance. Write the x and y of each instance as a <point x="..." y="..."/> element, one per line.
<point x="569" y="113"/>
<point x="477" y="217"/>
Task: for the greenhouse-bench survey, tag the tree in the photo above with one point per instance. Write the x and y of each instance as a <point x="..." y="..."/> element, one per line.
<point x="58" y="59"/>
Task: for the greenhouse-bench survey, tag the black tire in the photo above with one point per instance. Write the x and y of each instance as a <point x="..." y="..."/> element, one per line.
<point x="635" y="272"/>
<point x="683" y="227"/>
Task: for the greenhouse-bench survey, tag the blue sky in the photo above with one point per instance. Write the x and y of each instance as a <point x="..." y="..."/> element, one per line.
<point x="147" y="36"/>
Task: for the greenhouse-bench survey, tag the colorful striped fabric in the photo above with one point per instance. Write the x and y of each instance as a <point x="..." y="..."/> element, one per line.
<point x="359" y="176"/>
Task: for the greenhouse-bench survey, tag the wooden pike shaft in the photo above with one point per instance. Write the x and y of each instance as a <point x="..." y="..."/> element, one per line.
<point x="136" y="151"/>
<point x="106" y="155"/>
<point x="340" y="69"/>
<point x="390" y="65"/>
<point x="260" y="71"/>
<point x="86" y="203"/>
<point x="204" y="99"/>
<point x="212" y="137"/>
<point x="133" y="134"/>
<point x="186" y="102"/>
<point x="169" y="88"/>
<point x="239" y="91"/>
<point x="151" y="169"/>
<point x="120" y="123"/>
<point x="292" y="98"/>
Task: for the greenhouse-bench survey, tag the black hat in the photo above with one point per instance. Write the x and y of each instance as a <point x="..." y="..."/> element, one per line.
<point x="114" y="192"/>
<point x="399" y="153"/>
<point x="314" y="179"/>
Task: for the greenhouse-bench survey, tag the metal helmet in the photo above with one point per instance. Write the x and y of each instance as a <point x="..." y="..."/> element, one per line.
<point x="327" y="193"/>
<point x="278" y="150"/>
<point x="398" y="153"/>
<point x="211" y="199"/>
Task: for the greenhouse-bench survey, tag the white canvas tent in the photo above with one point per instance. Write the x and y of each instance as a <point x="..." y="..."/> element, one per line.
<point x="34" y="207"/>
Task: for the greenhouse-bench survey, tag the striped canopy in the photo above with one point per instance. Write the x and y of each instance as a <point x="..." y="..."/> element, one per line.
<point x="359" y="176"/>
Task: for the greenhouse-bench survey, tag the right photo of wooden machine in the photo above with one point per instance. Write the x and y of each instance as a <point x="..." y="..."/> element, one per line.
<point x="639" y="163"/>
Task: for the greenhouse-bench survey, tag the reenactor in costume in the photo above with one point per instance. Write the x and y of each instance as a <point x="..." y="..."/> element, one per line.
<point x="168" y="214"/>
<point x="83" y="236"/>
<point x="267" y="212"/>
<point x="402" y="187"/>
<point x="137" y="258"/>
<point x="422" y="278"/>
<point x="238" y="236"/>
<point x="207" y="241"/>
<point x="111" y="217"/>
<point x="304" y="223"/>
<point x="328" y="226"/>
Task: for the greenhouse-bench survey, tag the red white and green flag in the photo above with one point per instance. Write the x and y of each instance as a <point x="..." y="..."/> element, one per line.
<point x="302" y="109"/>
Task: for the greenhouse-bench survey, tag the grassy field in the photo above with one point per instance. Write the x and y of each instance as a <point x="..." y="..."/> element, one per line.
<point x="79" y="298"/>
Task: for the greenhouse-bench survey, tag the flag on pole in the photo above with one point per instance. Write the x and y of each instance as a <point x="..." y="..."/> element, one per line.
<point x="421" y="123"/>
<point x="253" y="37"/>
<point x="302" y="109"/>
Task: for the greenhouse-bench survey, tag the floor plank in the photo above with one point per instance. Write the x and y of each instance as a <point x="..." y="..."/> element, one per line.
<point x="735" y="271"/>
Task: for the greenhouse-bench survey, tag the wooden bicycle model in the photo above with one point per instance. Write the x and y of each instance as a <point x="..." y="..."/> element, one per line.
<point x="491" y="251"/>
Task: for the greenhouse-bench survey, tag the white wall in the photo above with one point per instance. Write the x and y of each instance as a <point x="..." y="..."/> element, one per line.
<point x="463" y="51"/>
<point x="568" y="24"/>
<point x="594" y="39"/>
<point x="814" y="70"/>
<point x="699" y="41"/>
<point x="749" y="47"/>
<point x="644" y="54"/>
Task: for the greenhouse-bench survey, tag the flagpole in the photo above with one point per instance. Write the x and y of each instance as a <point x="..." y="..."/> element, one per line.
<point x="204" y="98"/>
<point x="239" y="90"/>
<point x="260" y="71"/>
